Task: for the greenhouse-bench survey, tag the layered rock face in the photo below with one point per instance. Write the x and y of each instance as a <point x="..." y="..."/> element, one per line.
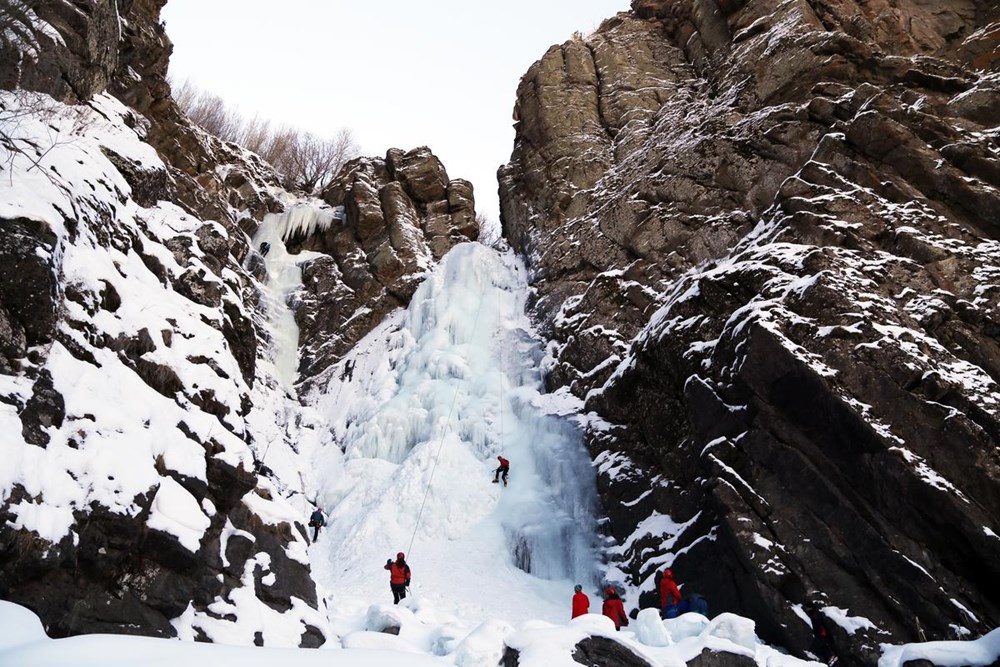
<point x="401" y="214"/>
<point x="66" y="50"/>
<point x="765" y="245"/>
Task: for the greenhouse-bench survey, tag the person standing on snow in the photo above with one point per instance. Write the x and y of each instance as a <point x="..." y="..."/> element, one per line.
<point x="614" y="609"/>
<point x="399" y="577"/>
<point x="670" y="595"/>
<point x="581" y="603"/>
<point x="317" y="521"/>
<point x="265" y="248"/>
<point x="502" y="469"/>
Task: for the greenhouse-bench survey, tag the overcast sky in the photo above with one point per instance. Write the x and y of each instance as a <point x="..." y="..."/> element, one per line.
<point x="398" y="73"/>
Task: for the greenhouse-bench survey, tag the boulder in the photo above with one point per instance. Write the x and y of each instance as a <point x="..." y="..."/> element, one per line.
<point x="604" y="652"/>
<point x="420" y="172"/>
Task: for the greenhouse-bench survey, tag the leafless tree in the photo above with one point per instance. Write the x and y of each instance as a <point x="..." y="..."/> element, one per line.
<point x="312" y="161"/>
<point x="490" y="233"/>
<point x="305" y="161"/>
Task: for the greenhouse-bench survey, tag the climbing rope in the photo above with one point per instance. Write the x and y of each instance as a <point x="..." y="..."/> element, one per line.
<point x="447" y="427"/>
<point x="503" y="374"/>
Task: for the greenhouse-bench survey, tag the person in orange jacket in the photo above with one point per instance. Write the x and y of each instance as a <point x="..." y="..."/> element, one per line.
<point x="670" y="595"/>
<point x="614" y="609"/>
<point x="581" y="603"/>
<point x="399" y="577"/>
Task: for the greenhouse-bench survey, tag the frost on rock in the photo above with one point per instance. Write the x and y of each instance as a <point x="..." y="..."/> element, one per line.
<point x="131" y="408"/>
<point x="771" y="274"/>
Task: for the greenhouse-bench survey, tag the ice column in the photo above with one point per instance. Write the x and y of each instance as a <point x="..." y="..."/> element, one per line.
<point x="284" y="277"/>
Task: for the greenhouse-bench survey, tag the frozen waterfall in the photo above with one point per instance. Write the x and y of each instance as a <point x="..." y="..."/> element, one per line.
<point x="423" y="406"/>
<point x="285" y="276"/>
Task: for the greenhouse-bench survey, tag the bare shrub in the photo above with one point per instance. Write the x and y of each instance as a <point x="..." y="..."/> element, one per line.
<point x="490" y="233"/>
<point x="304" y="160"/>
<point x="312" y="161"/>
<point x="20" y="106"/>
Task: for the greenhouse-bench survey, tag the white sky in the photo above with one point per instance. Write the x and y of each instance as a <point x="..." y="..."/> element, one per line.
<point x="398" y="73"/>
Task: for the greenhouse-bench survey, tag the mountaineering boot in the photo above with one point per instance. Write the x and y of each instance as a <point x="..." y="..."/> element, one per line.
<point x="496" y="481"/>
<point x="505" y="482"/>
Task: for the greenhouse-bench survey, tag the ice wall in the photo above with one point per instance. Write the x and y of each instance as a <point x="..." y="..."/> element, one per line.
<point x="284" y="275"/>
<point x="417" y="415"/>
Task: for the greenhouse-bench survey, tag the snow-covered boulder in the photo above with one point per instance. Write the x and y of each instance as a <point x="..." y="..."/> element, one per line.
<point x="20" y="626"/>
<point x="484" y="646"/>
<point x="685" y="626"/>
<point x="387" y="618"/>
<point x="736" y="629"/>
<point x="649" y="628"/>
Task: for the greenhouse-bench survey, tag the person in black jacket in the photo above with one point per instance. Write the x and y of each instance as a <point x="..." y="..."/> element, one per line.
<point x="317" y="521"/>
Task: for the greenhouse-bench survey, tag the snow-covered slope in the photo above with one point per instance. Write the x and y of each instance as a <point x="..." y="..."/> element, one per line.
<point x="130" y="394"/>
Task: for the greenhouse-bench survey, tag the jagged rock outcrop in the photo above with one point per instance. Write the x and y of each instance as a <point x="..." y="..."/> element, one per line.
<point x="401" y="214"/>
<point x="764" y="242"/>
<point x="212" y="178"/>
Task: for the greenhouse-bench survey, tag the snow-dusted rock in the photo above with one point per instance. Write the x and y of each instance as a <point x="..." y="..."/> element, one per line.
<point x="772" y="272"/>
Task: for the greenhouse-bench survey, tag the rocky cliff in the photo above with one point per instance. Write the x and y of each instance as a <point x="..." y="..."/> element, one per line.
<point x="138" y="391"/>
<point x="402" y="214"/>
<point x="764" y="244"/>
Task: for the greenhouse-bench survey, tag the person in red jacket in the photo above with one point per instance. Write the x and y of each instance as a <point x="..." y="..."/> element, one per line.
<point x="399" y="577"/>
<point x="581" y="603"/>
<point x="502" y="469"/>
<point x="614" y="609"/>
<point x="670" y="595"/>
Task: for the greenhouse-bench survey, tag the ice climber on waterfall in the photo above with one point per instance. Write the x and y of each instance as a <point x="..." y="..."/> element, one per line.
<point x="614" y="609"/>
<point x="399" y="576"/>
<point x="317" y="521"/>
<point x="670" y="595"/>
<point x="581" y="603"/>
<point x="502" y="469"/>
